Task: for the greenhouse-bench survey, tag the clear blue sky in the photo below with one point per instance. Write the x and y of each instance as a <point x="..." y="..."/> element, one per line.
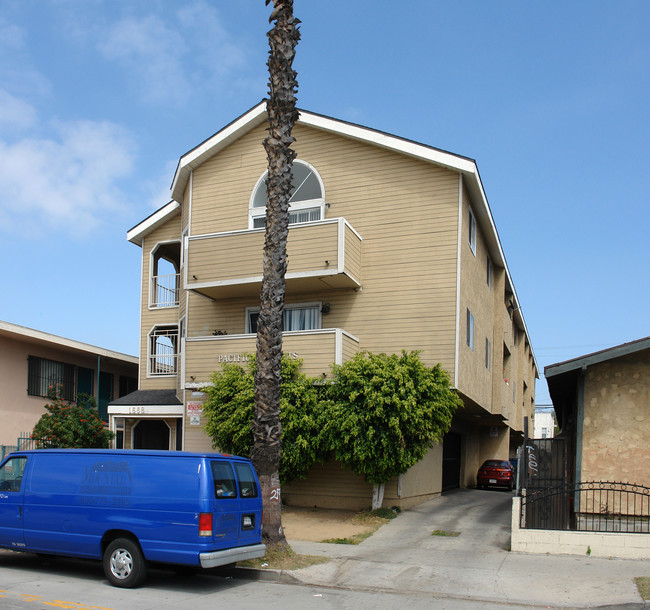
<point x="99" y="99"/>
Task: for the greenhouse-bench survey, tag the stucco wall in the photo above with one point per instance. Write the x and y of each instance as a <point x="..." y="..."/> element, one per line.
<point x="616" y="425"/>
<point x="19" y="411"/>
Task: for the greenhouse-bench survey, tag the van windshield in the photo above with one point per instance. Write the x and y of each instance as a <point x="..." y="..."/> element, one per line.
<point x="224" y="480"/>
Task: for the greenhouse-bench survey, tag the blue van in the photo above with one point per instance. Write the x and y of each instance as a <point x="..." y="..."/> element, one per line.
<point x="131" y="507"/>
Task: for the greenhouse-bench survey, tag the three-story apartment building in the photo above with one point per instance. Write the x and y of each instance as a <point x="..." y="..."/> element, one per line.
<point x="391" y="246"/>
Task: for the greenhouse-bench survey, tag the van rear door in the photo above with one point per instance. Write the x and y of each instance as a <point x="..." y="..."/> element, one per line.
<point x="250" y="504"/>
<point x="12" y="494"/>
<point x="225" y="504"/>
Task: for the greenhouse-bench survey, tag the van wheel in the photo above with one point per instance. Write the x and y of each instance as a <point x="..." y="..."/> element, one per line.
<point x="124" y="563"/>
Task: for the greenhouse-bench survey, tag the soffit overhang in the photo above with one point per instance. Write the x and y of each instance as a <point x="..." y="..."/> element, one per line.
<point x="257" y="116"/>
<point x="24" y="334"/>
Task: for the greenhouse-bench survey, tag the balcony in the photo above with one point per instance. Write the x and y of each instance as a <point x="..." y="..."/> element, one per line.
<point x="322" y="255"/>
<point x="164" y="290"/>
<point x="318" y="349"/>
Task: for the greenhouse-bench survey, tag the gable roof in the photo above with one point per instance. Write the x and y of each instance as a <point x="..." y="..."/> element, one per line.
<point x="136" y="234"/>
<point x="610" y="353"/>
<point x="257" y="116"/>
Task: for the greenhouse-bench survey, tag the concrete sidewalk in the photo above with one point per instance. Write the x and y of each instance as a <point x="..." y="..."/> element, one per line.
<point x="475" y="565"/>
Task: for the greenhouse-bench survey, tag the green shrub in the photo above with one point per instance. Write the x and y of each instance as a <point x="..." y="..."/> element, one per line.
<point x="66" y="425"/>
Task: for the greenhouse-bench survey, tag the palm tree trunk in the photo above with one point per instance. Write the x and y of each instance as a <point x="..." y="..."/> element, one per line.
<point x="282" y="115"/>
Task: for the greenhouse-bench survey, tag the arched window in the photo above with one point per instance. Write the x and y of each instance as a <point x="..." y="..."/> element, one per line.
<point x="307" y="197"/>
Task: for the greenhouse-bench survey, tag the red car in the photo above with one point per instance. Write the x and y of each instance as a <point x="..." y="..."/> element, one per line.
<point x="495" y="473"/>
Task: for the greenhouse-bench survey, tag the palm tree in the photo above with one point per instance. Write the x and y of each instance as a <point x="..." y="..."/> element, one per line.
<point x="282" y="115"/>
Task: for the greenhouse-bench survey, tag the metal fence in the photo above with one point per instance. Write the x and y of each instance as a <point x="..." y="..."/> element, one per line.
<point x="5" y="450"/>
<point x="592" y="506"/>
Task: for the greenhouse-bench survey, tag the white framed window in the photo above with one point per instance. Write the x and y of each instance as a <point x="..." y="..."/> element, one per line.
<point x="470" y="329"/>
<point x="163" y="351"/>
<point x="307" y="200"/>
<point x="301" y="316"/>
<point x="488" y="354"/>
<point x="471" y="238"/>
<point x="488" y="271"/>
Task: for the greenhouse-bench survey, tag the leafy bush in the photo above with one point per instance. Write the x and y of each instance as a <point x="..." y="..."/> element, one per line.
<point x="378" y="416"/>
<point x="386" y="412"/>
<point x="66" y="425"/>
<point x="229" y="411"/>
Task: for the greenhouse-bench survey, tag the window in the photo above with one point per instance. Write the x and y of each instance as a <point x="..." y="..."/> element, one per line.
<point x="127" y="385"/>
<point x="488" y="271"/>
<point x="472" y="231"/>
<point x="306" y="202"/>
<point x="247" y="484"/>
<point x="470" y="329"/>
<point x="163" y="350"/>
<point x="43" y="374"/>
<point x="488" y="354"/>
<point x="11" y="475"/>
<point x="294" y="317"/>
<point x="224" y="480"/>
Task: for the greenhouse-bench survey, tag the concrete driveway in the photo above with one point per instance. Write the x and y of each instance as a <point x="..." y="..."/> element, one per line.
<point x="476" y="564"/>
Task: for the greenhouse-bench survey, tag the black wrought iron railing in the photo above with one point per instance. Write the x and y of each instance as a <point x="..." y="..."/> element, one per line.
<point x="591" y="506"/>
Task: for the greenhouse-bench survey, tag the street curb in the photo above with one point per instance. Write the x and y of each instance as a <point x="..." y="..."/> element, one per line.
<point x="285" y="577"/>
<point x="265" y="575"/>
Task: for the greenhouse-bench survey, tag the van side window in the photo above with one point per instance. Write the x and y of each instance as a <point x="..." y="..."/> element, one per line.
<point x="247" y="484"/>
<point x="224" y="480"/>
<point x="11" y="474"/>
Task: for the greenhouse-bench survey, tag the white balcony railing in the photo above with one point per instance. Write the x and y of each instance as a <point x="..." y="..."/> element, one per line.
<point x="164" y="290"/>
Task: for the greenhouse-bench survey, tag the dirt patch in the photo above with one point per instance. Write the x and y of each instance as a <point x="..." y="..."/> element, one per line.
<point x="316" y="524"/>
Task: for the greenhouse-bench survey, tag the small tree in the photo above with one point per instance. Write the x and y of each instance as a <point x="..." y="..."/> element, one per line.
<point x="66" y="425"/>
<point x="385" y="413"/>
<point x="230" y="406"/>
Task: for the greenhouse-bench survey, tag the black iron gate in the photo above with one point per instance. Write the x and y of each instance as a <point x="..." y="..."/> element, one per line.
<point x="545" y="466"/>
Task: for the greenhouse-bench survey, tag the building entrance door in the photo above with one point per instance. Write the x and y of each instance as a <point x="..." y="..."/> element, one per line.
<point x="451" y="454"/>
<point x="151" y="434"/>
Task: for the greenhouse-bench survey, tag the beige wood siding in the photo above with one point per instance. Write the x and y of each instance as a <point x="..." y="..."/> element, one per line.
<point x="352" y="254"/>
<point x="349" y="349"/>
<point x="474" y="378"/>
<point x="157" y="316"/>
<point x="316" y="349"/>
<point x="195" y="439"/>
<point x="222" y="186"/>
<point x="405" y="211"/>
<point x="329" y="486"/>
<point x="229" y="256"/>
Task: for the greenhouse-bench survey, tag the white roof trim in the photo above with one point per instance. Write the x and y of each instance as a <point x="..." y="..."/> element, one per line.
<point x="43" y="337"/>
<point x="257" y="115"/>
<point x="365" y="134"/>
<point x="138" y="233"/>
<point x="195" y="157"/>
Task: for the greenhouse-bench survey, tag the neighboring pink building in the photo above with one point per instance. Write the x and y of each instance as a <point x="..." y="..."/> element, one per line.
<point x="32" y="360"/>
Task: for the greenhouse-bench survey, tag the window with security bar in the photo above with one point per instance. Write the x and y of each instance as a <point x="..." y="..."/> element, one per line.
<point x="43" y="374"/>
<point x="163" y="351"/>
